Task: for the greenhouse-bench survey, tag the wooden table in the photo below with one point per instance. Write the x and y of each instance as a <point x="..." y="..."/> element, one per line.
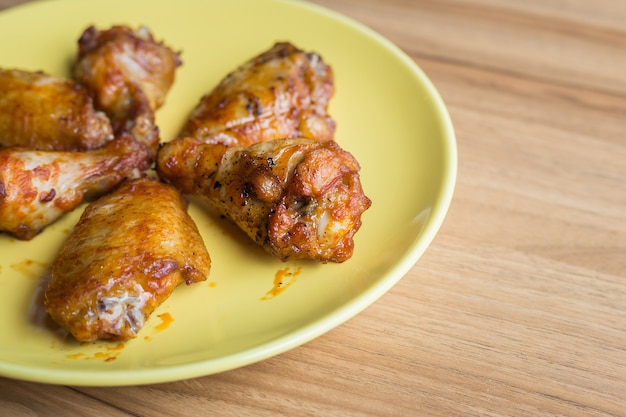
<point x="519" y="305"/>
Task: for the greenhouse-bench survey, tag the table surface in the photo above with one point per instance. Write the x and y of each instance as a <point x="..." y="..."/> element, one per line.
<point x="519" y="305"/>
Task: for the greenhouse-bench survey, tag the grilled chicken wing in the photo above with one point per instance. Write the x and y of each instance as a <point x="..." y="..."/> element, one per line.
<point x="298" y="198"/>
<point x="282" y="93"/>
<point x="129" y="73"/>
<point x="38" y="187"/>
<point x="46" y="112"/>
<point x="126" y="255"/>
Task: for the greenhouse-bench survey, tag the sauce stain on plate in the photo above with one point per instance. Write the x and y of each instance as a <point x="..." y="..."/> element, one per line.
<point x="31" y="268"/>
<point x="109" y="354"/>
<point x="282" y="280"/>
<point x="166" y="320"/>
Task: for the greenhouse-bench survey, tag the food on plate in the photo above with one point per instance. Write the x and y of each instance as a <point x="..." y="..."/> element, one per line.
<point x="47" y="112"/>
<point x="127" y="254"/>
<point x="297" y="198"/>
<point x="113" y="61"/>
<point x="38" y="187"/>
<point x="259" y="149"/>
<point x="129" y="73"/>
<point x="281" y="93"/>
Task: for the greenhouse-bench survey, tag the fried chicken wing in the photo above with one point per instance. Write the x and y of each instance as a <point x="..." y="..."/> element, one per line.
<point x="130" y="74"/>
<point x="112" y="62"/>
<point x="297" y="198"/>
<point x="127" y="254"/>
<point x="38" y="187"/>
<point x="46" y="112"/>
<point x="282" y="93"/>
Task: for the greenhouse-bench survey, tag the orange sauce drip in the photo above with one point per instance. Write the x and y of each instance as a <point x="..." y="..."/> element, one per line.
<point x="75" y="356"/>
<point x="110" y="354"/>
<point x="120" y="346"/>
<point x="30" y="268"/>
<point x="166" y="320"/>
<point x="282" y="280"/>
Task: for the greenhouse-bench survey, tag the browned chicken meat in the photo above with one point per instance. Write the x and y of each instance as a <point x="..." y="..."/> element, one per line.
<point x="130" y="74"/>
<point x="38" y="187"/>
<point x="282" y="93"/>
<point x="113" y="61"/>
<point x="126" y="255"/>
<point x="297" y="198"/>
<point x="46" y="112"/>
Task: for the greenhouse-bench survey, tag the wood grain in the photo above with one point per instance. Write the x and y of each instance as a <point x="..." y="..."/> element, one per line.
<point x="519" y="305"/>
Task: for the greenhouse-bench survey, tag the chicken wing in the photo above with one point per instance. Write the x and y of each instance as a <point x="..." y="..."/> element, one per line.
<point x="297" y="198"/>
<point x="46" y="112"/>
<point x="130" y="74"/>
<point x="282" y="93"/>
<point x="127" y="254"/>
<point x="38" y="187"/>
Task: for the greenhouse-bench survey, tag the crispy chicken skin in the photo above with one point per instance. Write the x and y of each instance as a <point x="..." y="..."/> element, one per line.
<point x="282" y="93"/>
<point x="126" y="255"/>
<point x="129" y="74"/>
<point x="297" y="198"/>
<point x="117" y="61"/>
<point x="38" y="187"/>
<point x="46" y="112"/>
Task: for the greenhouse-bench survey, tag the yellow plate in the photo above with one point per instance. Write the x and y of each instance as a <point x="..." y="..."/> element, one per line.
<point x="389" y="116"/>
